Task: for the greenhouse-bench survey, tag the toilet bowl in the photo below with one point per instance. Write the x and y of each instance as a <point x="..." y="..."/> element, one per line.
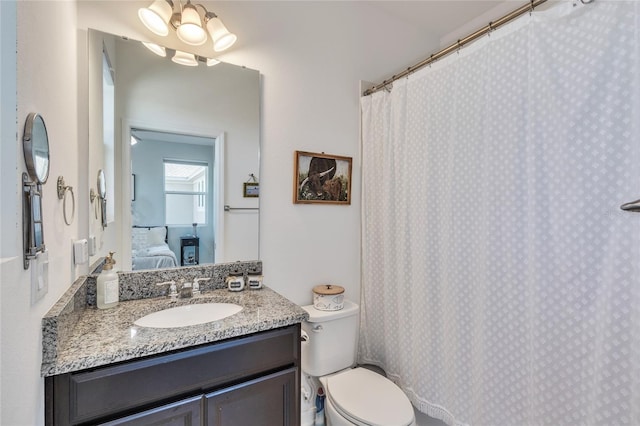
<point x="362" y="397"/>
<point x="354" y="396"/>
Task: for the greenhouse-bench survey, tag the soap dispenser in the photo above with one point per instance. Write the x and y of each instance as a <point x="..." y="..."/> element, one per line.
<point x="108" y="288"/>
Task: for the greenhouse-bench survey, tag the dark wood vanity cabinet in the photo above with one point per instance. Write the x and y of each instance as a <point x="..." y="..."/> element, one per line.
<point x="249" y="380"/>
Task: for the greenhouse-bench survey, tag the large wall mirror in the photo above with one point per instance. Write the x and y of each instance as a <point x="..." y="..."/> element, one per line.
<point x="177" y="143"/>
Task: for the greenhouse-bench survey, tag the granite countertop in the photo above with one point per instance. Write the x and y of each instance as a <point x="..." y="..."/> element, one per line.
<point x="99" y="337"/>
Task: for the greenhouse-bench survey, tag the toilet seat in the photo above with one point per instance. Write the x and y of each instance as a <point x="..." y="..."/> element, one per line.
<point x="367" y="398"/>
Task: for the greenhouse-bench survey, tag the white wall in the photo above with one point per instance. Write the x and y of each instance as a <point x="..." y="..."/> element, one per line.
<point x="8" y="209"/>
<point x="47" y="84"/>
<point x="312" y="63"/>
<point x="312" y="56"/>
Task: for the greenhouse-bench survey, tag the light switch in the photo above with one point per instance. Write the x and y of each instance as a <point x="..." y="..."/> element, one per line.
<point x="39" y="276"/>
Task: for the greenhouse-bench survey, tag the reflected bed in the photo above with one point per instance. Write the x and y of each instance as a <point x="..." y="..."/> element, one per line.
<point x="149" y="248"/>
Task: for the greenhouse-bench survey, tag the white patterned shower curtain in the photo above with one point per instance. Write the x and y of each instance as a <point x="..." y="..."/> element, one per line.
<point x="501" y="280"/>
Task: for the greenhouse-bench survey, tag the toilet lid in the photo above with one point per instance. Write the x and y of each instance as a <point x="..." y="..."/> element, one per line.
<point x="369" y="398"/>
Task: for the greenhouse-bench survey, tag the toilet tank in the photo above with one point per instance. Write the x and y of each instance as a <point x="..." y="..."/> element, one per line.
<point x="332" y="342"/>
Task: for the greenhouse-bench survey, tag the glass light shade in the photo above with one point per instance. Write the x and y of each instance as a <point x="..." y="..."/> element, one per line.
<point x="211" y="62"/>
<point x="190" y="30"/>
<point x="222" y="38"/>
<point x="156" y="17"/>
<point x="184" y="58"/>
<point x="155" y="48"/>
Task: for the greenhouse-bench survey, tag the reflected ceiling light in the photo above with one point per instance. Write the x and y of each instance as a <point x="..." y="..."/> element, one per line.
<point x="178" y="56"/>
<point x="189" y="21"/>
<point x="184" y="58"/>
<point x="155" y="48"/>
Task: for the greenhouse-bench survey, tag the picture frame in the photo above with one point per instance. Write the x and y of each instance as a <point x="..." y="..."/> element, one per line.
<point x="251" y="190"/>
<point x="320" y="178"/>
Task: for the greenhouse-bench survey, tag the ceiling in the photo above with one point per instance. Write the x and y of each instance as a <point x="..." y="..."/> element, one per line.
<point x="441" y="18"/>
<point x="437" y="18"/>
<point x="156" y="136"/>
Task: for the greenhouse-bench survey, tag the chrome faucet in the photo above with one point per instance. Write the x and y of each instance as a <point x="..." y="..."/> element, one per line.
<point x="186" y="290"/>
<point x="196" y="285"/>
<point x="173" y="290"/>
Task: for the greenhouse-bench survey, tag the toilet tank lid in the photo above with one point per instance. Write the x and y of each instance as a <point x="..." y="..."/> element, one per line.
<point x="316" y="315"/>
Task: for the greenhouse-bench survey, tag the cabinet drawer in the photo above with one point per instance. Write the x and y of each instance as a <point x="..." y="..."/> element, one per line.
<point x="119" y="389"/>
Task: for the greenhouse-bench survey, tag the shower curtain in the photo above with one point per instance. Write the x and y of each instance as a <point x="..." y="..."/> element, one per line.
<point x="501" y="280"/>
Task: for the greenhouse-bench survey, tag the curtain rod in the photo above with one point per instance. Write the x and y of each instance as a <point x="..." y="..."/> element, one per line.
<point x="461" y="42"/>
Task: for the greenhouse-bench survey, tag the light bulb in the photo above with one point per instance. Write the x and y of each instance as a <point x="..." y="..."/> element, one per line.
<point x="190" y="30"/>
<point x="222" y="38"/>
<point x="156" y="17"/>
<point x="184" y="58"/>
<point x="155" y="48"/>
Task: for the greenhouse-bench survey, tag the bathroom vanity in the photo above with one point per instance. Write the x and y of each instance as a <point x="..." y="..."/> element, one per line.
<point x="249" y="380"/>
<point x="101" y="368"/>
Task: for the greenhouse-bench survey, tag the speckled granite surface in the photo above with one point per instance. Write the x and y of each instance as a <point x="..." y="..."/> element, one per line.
<point x="77" y="336"/>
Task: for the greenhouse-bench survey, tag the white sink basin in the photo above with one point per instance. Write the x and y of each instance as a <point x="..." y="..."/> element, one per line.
<point x="186" y="315"/>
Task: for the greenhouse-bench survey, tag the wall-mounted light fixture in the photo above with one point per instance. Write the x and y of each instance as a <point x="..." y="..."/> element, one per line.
<point x="189" y="22"/>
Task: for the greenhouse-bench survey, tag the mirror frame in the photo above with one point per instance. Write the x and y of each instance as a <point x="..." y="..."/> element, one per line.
<point x="32" y="223"/>
<point x="28" y="144"/>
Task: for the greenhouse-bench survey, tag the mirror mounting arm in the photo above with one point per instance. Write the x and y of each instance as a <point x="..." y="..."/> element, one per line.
<point x="32" y="232"/>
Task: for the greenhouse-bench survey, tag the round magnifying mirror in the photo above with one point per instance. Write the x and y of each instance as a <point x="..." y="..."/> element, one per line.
<point x="102" y="184"/>
<point x="35" y="144"/>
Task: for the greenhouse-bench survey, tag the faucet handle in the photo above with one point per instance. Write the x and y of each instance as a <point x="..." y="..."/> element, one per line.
<point x="173" y="290"/>
<point x="196" y="284"/>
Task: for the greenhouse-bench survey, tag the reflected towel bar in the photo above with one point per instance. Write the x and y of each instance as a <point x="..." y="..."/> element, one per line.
<point x="228" y="208"/>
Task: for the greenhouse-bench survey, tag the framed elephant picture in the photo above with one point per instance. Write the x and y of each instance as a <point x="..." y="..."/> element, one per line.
<point x="321" y="178"/>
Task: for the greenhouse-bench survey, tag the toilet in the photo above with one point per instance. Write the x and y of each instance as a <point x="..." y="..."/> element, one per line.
<point x="354" y="396"/>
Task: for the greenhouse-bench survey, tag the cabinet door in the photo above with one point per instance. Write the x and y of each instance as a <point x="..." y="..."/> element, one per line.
<point x="266" y="401"/>
<point x="181" y="413"/>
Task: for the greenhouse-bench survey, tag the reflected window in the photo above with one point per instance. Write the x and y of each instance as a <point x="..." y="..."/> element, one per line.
<point x="108" y="130"/>
<point x="186" y="192"/>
